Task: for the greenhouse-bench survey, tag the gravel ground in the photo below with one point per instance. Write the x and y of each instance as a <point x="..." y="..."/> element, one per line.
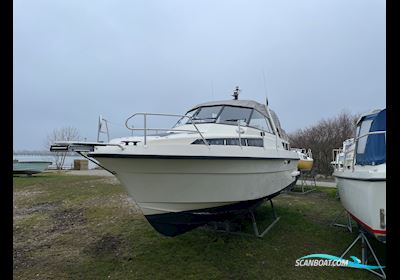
<point x="90" y="172"/>
<point x="321" y="184"/>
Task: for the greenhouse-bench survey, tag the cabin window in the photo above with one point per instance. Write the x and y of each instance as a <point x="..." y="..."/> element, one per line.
<point x="364" y="129"/>
<point x="235" y="141"/>
<point x="230" y="115"/>
<point x="260" y="122"/>
<point x="255" y="142"/>
<point x="206" y="114"/>
<point x="216" y="141"/>
<point x="252" y="142"/>
<point x="199" y="141"/>
<point x="286" y="146"/>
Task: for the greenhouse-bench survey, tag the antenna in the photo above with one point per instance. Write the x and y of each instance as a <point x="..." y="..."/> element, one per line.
<point x="265" y="88"/>
<point x="266" y="105"/>
<point x="236" y="93"/>
<point x="212" y="89"/>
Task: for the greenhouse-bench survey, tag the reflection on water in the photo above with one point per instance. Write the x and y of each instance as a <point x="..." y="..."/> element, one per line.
<point x="68" y="163"/>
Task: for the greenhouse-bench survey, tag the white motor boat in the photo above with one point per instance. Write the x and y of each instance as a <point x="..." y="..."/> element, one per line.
<point x="361" y="178"/>
<point x="221" y="159"/>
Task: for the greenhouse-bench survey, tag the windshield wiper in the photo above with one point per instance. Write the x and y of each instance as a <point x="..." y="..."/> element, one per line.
<point x="202" y="119"/>
<point x="234" y="120"/>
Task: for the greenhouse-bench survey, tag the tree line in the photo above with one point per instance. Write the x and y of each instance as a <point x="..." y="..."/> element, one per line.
<point x="323" y="137"/>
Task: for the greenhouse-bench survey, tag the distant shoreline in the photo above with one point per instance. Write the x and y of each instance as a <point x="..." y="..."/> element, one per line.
<point x="33" y="153"/>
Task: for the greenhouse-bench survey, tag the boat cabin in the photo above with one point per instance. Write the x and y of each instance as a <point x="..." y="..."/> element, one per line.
<point x="238" y="113"/>
<point x="371" y="138"/>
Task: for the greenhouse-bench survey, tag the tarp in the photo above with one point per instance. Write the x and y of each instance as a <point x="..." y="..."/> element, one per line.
<point x="375" y="149"/>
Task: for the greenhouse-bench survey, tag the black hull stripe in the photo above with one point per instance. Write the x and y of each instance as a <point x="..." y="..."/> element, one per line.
<point x="172" y="224"/>
<point x="363" y="179"/>
<point x="184" y="157"/>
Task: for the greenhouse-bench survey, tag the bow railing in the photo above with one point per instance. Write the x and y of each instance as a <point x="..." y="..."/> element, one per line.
<point x="145" y="129"/>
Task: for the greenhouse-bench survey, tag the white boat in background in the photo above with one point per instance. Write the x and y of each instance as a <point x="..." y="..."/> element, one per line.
<point x="30" y="167"/>
<point x="221" y="159"/>
<point x="361" y="178"/>
<point x="343" y="157"/>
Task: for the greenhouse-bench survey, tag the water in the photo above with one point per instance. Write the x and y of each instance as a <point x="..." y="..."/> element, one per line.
<point x="68" y="163"/>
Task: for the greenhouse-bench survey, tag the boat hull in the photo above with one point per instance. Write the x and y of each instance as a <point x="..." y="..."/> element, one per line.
<point x="172" y="224"/>
<point x="365" y="200"/>
<point x="305" y="165"/>
<point x="172" y="192"/>
<point x="30" y="167"/>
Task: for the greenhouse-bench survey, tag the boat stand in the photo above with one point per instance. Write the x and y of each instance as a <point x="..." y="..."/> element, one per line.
<point x="349" y="224"/>
<point x="337" y="195"/>
<point x="255" y="227"/>
<point x="227" y="226"/>
<point x="365" y="245"/>
<point x="307" y="180"/>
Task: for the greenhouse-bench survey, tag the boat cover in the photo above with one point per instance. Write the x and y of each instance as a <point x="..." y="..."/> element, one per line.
<point x="241" y="103"/>
<point x="375" y="149"/>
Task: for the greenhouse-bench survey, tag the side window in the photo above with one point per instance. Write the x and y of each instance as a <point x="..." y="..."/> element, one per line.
<point x="270" y="126"/>
<point x="256" y="142"/>
<point x="362" y="142"/>
<point x="260" y="122"/>
<point x="215" y="141"/>
<point x="235" y="141"/>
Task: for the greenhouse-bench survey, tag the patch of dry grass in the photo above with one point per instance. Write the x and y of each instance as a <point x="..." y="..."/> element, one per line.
<point x="76" y="227"/>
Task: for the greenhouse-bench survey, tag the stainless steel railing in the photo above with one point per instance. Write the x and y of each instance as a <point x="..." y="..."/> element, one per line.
<point x="239" y="132"/>
<point x="145" y="129"/>
<point x="372" y="132"/>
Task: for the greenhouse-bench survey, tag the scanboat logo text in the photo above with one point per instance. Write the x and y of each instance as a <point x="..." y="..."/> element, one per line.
<point x="329" y="260"/>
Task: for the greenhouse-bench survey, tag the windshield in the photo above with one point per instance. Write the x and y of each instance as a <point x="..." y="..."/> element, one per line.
<point x="217" y="114"/>
<point x="231" y="115"/>
<point x="207" y="114"/>
<point x="185" y="120"/>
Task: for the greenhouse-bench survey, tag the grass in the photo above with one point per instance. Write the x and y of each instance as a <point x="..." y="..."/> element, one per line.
<point x="79" y="227"/>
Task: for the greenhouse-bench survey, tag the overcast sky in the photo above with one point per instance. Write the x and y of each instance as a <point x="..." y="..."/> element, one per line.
<point x="75" y="60"/>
